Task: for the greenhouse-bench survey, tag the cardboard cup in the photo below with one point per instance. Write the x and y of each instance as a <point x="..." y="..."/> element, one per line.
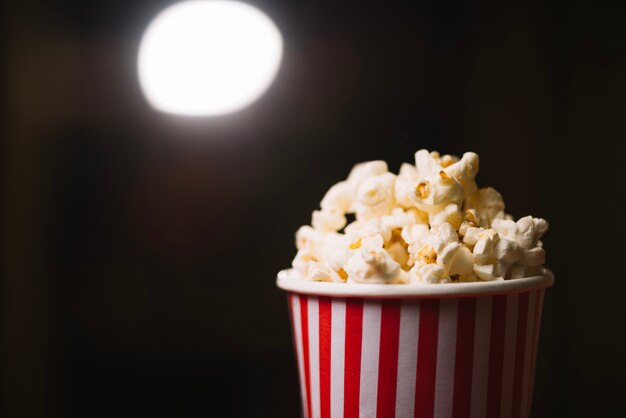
<point x="448" y="350"/>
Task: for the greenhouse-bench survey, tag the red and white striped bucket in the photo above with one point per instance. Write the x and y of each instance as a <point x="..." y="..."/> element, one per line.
<point x="452" y="350"/>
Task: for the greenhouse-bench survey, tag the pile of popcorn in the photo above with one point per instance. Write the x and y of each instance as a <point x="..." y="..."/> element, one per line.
<point x="430" y="223"/>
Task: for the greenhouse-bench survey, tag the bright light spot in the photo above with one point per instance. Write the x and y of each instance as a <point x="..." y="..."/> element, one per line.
<point x="211" y="57"/>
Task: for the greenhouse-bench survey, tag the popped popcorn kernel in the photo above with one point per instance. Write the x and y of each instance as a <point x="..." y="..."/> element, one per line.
<point x="421" y="190"/>
<point x="427" y="254"/>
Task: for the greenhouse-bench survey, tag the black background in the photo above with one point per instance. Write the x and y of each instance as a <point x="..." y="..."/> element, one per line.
<point x="140" y="249"/>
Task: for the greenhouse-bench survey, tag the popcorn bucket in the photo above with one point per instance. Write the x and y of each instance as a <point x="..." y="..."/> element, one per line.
<point x="447" y="350"/>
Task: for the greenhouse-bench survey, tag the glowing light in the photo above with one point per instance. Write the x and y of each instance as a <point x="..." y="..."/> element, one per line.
<point x="205" y="58"/>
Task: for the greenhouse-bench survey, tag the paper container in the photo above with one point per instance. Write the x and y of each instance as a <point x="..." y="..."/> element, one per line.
<point x="449" y="350"/>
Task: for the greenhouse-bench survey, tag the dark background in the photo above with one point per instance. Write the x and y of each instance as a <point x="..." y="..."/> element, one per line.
<point x="139" y="250"/>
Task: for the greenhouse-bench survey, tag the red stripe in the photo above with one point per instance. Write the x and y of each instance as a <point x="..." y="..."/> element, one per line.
<point x="463" y="362"/>
<point x="522" y="314"/>
<point x="533" y="361"/>
<point x="352" y="372"/>
<point x="304" y="314"/>
<point x="496" y="356"/>
<point x="388" y="358"/>
<point x="325" y="323"/>
<point x="427" y="358"/>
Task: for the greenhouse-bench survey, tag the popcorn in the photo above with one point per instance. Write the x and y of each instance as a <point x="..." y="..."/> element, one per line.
<point x="432" y="194"/>
<point x="445" y="160"/>
<point x="486" y="272"/>
<point x="512" y="249"/>
<point x="301" y="262"/>
<point x="335" y="250"/>
<point x="464" y="171"/>
<point x="405" y="182"/>
<point x="314" y="245"/>
<point x="426" y="163"/>
<point x="429" y="224"/>
<point x="363" y="171"/>
<point x="400" y="218"/>
<point x="472" y="235"/>
<point x="320" y="272"/>
<point x="450" y="214"/>
<point x="375" y="197"/>
<point x="342" y="195"/>
<point x="428" y="273"/>
<point x="356" y="231"/>
<point x="338" y="197"/>
<point x="488" y="203"/>
<point x="328" y="220"/>
<point x="456" y="259"/>
<point x="526" y="232"/>
<point x="398" y="251"/>
<point x="372" y="265"/>
<point x="308" y="238"/>
<point x="470" y="219"/>
<point x="534" y="257"/>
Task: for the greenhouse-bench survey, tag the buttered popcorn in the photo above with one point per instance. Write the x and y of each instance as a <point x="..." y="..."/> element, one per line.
<point x="430" y="223"/>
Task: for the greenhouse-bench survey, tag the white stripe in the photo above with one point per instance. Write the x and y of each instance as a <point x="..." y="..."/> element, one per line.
<point x="480" y="369"/>
<point x="370" y="350"/>
<point x="446" y="350"/>
<point x="314" y="355"/>
<point x="337" y="350"/>
<point x="530" y="320"/>
<point x="407" y="359"/>
<point x="510" y="343"/>
<point x="297" y="328"/>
